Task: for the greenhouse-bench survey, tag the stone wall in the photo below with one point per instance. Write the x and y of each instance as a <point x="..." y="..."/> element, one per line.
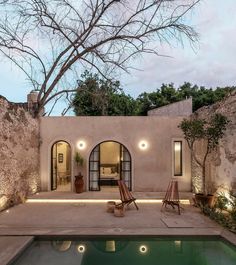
<point x="221" y="167"/>
<point x="19" y="154"/>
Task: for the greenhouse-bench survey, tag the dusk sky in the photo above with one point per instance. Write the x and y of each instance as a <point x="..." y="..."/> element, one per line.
<point x="211" y="63"/>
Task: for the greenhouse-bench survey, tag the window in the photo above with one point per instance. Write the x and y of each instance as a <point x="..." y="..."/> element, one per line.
<point x="178" y="167"/>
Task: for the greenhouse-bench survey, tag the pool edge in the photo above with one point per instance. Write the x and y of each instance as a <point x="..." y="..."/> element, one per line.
<point x="12" y="246"/>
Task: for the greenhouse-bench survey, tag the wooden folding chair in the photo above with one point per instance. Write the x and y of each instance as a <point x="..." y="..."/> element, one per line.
<point x="172" y="196"/>
<point x="125" y="195"/>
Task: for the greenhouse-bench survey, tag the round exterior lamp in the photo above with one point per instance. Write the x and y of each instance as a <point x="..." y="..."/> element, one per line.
<point x="81" y="145"/>
<point x="143" y="145"/>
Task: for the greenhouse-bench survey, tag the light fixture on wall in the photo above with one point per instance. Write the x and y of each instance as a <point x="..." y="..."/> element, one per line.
<point x="143" y="145"/>
<point x="81" y="145"/>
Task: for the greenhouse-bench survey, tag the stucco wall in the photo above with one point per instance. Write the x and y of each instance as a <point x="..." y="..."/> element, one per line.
<point x="180" y="108"/>
<point x="151" y="168"/>
<point x="19" y="154"/>
<point x="221" y="167"/>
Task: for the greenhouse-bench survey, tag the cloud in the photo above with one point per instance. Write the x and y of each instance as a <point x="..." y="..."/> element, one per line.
<point x="212" y="64"/>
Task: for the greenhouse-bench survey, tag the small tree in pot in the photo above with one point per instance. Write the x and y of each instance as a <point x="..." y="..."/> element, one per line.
<point x="79" y="182"/>
<point x="211" y="131"/>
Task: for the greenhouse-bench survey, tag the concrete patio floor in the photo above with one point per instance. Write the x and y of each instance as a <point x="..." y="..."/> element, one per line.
<point x="83" y="218"/>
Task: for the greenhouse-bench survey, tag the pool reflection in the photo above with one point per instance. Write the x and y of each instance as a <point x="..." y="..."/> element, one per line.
<point x="153" y="251"/>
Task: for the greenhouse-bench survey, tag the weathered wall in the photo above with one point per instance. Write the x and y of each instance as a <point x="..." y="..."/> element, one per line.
<point x="221" y="167"/>
<point x="19" y="154"/>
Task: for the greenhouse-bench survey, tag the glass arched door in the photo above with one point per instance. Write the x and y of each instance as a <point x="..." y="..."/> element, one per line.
<point x="61" y="166"/>
<point x="109" y="161"/>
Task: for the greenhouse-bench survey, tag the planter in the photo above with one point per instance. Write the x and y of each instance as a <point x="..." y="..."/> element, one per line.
<point x="111" y="206"/>
<point x="79" y="184"/>
<point x="119" y="211"/>
<point x="202" y="199"/>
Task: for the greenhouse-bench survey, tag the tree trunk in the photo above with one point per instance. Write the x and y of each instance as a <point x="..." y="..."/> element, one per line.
<point x="204" y="179"/>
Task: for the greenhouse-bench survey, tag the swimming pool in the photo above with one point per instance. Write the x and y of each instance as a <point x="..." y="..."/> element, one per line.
<point x="129" y="251"/>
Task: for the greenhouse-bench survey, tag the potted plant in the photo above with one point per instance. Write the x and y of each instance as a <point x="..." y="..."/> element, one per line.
<point x="79" y="182"/>
<point x="210" y="131"/>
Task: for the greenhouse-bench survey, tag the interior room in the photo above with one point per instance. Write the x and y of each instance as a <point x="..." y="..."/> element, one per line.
<point x="61" y="166"/>
<point x="109" y="164"/>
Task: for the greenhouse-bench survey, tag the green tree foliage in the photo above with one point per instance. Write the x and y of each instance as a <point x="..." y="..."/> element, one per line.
<point x="99" y="97"/>
<point x="210" y="131"/>
<point x="169" y="94"/>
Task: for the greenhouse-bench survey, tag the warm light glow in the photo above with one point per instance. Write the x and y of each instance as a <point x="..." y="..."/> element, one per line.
<point x="81" y="145"/>
<point x="68" y="200"/>
<point x="143" y="145"/>
<point x="7" y="211"/>
<point x="178" y="245"/>
<point x="110" y="246"/>
<point x="61" y="246"/>
<point x="81" y="248"/>
<point x="224" y="191"/>
<point x="143" y="249"/>
<point x="177" y="242"/>
<point x="184" y="201"/>
<point x="3" y="201"/>
<point x="177" y="146"/>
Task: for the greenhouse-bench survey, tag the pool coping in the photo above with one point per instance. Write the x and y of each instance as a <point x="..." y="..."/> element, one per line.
<point x="12" y="247"/>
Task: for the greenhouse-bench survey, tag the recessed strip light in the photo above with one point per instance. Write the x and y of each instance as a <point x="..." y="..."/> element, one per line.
<point x="95" y="201"/>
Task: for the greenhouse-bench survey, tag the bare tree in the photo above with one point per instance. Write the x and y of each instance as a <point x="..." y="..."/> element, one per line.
<point x="53" y="41"/>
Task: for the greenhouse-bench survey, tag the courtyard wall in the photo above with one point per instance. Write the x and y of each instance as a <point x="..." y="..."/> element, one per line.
<point x="19" y="153"/>
<point x="221" y="166"/>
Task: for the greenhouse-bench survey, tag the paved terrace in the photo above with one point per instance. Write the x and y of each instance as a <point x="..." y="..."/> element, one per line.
<point x="75" y="215"/>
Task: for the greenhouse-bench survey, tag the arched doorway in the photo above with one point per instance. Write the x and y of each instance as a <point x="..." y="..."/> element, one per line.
<point x="108" y="162"/>
<point x="61" y="166"/>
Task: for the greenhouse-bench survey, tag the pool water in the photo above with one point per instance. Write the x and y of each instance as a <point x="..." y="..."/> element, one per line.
<point x="143" y="251"/>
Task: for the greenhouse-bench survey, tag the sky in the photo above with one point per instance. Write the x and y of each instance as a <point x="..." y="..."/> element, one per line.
<point x="211" y="63"/>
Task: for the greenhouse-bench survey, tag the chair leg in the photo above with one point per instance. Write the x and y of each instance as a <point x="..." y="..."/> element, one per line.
<point x="179" y="208"/>
<point x="136" y="205"/>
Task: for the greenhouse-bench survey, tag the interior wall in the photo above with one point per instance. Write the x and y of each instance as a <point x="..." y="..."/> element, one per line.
<point x="109" y="153"/>
<point x="62" y="153"/>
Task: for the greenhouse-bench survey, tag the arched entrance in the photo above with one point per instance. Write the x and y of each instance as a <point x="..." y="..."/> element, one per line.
<point x="61" y="166"/>
<point x="108" y="162"/>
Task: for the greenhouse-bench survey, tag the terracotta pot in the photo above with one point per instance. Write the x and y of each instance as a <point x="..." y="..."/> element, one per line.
<point x="111" y="206"/>
<point x="119" y="211"/>
<point x="203" y="199"/>
<point x="79" y="184"/>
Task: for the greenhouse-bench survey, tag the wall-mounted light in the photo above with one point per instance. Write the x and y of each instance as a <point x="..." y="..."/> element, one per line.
<point x="81" y="145"/>
<point x="143" y="249"/>
<point x="143" y="145"/>
<point x="81" y="248"/>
